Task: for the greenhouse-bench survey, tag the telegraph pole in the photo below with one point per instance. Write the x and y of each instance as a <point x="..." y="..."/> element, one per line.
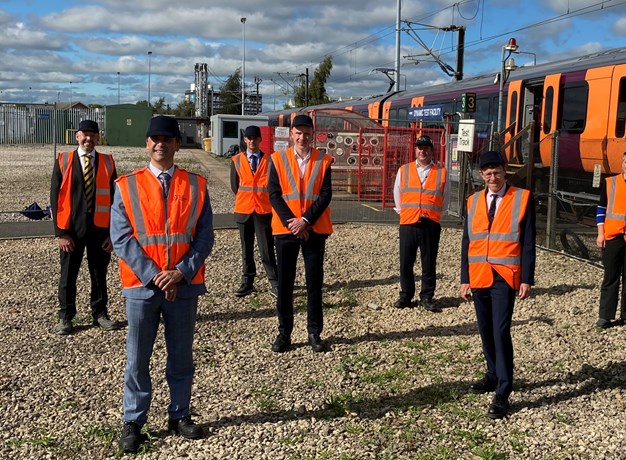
<point x="257" y="82"/>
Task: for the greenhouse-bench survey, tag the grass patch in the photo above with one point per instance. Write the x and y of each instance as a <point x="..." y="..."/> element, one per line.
<point x="101" y="433"/>
<point x="342" y="404"/>
<point x="264" y="398"/>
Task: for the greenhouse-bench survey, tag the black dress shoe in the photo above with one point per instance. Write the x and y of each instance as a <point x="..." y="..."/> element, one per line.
<point x="185" y="427"/>
<point x="316" y="343"/>
<point x="281" y="344"/>
<point x="482" y="386"/>
<point x="402" y="303"/>
<point x="244" y="290"/>
<point x="429" y="305"/>
<point x="499" y="407"/>
<point x="131" y="437"/>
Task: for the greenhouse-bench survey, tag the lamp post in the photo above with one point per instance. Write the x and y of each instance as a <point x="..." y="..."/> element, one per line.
<point x="210" y="88"/>
<point x="70" y="107"/>
<point x="149" y="72"/>
<point x="508" y="64"/>
<point x="243" y="70"/>
<point x="118" y="88"/>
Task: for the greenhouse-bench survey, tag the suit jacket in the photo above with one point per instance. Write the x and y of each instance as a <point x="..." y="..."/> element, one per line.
<point x="282" y="209"/>
<point x="81" y="222"/>
<point x="240" y="218"/>
<point x="528" y="238"/>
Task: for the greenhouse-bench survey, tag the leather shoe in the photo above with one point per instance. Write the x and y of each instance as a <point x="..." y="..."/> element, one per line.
<point x="316" y="343"/>
<point x="244" y="290"/>
<point x="131" y="437"/>
<point x="281" y="344"/>
<point x="185" y="427"/>
<point x="430" y="305"/>
<point x="499" y="407"/>
<point x="63" y="327"/>
<point x="402" y="303"/>
<point x="603" y="323"/>
<point x="106" y="324"/>
<point x="482" y="386"/>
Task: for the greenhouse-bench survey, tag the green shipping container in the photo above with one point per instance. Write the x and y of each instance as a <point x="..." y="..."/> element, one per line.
<point x="126" y="124"/>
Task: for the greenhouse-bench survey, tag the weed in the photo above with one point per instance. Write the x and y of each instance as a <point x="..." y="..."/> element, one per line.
<point x="384" y="377"/>
<point x="342" y="404"/>
<point x="488" y="453"/>
<point x="264" y="398"/>
<point x="516" y="440"/>
<point x="103" y="433"/>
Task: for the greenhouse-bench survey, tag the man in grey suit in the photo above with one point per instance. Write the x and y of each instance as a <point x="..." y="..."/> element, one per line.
<point x="162" y="232"/>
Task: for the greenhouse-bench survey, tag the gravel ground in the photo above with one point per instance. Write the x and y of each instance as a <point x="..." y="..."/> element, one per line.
<point x="393" y="386"/>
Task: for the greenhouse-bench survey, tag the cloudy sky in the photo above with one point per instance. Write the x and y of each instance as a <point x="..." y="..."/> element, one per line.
<point x="45" y="45"/>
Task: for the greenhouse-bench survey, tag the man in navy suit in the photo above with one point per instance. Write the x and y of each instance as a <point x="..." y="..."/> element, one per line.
<point x="82" y="187"/>
<point x="497" y="259"/>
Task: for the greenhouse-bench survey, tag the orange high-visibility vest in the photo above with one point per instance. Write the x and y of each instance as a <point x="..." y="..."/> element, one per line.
<point x="252" y="195"/>
<point x="102" y="208"/>
<point x="615" y="221"/>
<point x="300" y="194"/>
<point x="164" y="229"/>
<point x="498" y="248"/>
<point x="421" y="200"/>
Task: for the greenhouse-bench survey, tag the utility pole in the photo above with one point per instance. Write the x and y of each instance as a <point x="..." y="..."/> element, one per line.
<point x="257" y="82"/>
<point x="460" y="49"/>
<point x="306" y="87"/>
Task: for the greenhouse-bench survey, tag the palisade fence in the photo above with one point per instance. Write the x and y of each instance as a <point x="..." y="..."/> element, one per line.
<point x="22" y="124"/>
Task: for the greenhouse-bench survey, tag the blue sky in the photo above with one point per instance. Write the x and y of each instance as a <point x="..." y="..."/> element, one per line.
<point x="45" y="45"/>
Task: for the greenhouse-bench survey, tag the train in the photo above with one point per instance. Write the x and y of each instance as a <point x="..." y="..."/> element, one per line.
<point x="579" y="102"/>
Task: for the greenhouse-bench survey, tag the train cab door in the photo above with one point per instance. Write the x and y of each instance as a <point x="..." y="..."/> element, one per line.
<point x="531" y="112"/>
<point x="511" y="117"/>
<point x="549" y="116"/>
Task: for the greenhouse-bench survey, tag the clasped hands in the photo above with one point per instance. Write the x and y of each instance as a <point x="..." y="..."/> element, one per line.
<point x="167" y="281"/>
<point x="298" y="227"/>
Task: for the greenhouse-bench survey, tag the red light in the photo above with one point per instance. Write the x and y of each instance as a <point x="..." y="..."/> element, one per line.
<point x="512" y="42"/>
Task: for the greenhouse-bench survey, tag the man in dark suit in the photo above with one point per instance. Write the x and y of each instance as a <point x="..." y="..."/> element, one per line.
<point x="81" y="193"/>
<point x="253" y="211"/>
<point x="300" y="191"/>
<point x="497" y="259"/>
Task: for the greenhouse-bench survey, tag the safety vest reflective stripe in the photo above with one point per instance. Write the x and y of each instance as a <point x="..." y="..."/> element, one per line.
<point x="615" y="219"/>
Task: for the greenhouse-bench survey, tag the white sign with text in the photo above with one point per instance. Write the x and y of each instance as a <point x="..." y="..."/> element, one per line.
<point x="466" y="135"/>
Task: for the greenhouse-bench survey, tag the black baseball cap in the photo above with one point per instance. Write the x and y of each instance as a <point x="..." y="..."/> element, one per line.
<point x="252" y="131"/>
<point x="163" y="126"/>
<point x="424" y="141"/>
<point x="302" y="120"/>
<point x="490" y="158"/>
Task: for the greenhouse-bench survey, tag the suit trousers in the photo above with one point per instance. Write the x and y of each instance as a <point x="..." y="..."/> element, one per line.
<point x="614" y="261"/>
<point x="423" y="235"/>
<point x="261" y="225"/>
<point x="98" y="263"/>
<point x="494" y="313"/>
<point x="179" y="320"/>
<point x="287" y="250"/>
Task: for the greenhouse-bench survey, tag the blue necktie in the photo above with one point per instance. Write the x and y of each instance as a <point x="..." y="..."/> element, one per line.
<point x="165" y="183"/>
<point x="254" y="161"/>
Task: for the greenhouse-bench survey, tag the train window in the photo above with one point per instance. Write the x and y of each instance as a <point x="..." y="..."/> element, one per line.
<point x="403" y="116"/>
<point x="574" y="108"/>
<point x="513" y="108"/>
<point x="547" y="114"/>
<point x="620" y="123"/>
<point x="393" y="117"/>
<point x="481" y="115"/>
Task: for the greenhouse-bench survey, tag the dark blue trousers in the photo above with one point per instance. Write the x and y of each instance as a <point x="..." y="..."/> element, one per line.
<point x="494" y="312"/>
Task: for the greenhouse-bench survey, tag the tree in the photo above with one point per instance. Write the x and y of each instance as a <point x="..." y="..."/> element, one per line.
<point x="317" y="86"/>
<point x="185" y="109"/>
<point x="230" y="94"/>
<point x="161" y="107"/>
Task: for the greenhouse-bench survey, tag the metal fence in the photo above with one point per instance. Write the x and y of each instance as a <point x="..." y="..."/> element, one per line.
<point x="22" y="124"/>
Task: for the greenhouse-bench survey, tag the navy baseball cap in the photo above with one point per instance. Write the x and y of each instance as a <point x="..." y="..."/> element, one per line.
<point x="88" y="125"/>
<point x="490" y="158"/>
<point x="424" y="141"/>
<point x="302" y="120"/>
<point x="163" y="126"/>
<point x="252" y="131"/>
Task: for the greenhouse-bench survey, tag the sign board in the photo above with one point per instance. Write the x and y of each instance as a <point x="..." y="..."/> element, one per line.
<point x="468" y="102"/>
<point x="281" y="132"/>
<point x="430" y="111"/>
<point x="280" y="145"/>
<point x="129" y="122"/>
<point x="597" y="175"/>
<point x="466" y="135"/>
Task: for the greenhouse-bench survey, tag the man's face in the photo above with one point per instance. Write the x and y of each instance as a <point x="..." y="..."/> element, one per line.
<point x="162" y="149"/>
<point x="87" y="140"/>
<point x="494" y="177"/>
<point x="252" y="143"/>
<point x="301" y="137"/>
<point x="424" y="154"/>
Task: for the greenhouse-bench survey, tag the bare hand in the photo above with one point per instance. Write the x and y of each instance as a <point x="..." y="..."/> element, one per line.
<point x="167" y="280"/>
<point x="465" y="292"/>
<point x="107" y="246"/>
<point x="170" y="293"/>
<point x="297" y="225"/>
<point x="66" y="243"/>
<point x="600" y="241"/>
<point x="524" y="290"/>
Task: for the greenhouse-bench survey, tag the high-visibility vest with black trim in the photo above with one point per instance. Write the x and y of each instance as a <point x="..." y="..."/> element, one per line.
<point x="164" y="229"/>
<point x="300" y="194"/>
<point x="498" y="248"/>
<point x="252" y="195"/>
<point x="102" y="206"/>
<point x="421" y="200"/>
<point x="615" y="220"/>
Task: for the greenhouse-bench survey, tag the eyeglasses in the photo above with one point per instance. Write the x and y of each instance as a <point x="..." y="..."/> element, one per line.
<point x="492" y="174"/>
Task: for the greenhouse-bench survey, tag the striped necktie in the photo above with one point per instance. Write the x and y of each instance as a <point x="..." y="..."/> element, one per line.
<point x="89" y="182"/>
<point x="165" y="183"/>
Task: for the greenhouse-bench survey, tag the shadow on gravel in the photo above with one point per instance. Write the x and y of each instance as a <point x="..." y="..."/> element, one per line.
<point x="237" y="315"/>
<point x="354" y="284"/>
<point x="561" y="289"/>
